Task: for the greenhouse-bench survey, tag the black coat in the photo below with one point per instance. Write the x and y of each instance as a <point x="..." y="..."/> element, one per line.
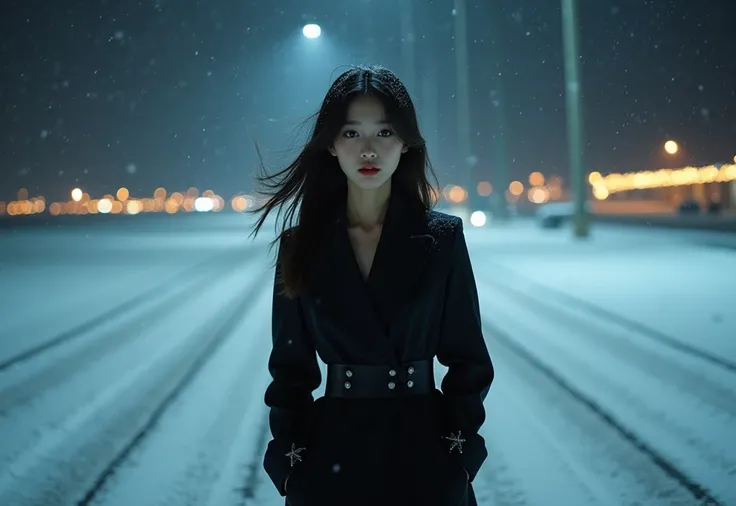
<point x="419" y="302"/>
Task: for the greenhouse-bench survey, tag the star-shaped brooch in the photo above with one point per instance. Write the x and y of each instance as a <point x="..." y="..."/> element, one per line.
<point x="294" y="455"/>
<point x="457" y="441"/>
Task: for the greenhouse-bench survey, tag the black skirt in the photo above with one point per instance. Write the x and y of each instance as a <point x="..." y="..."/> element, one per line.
<point x="378" y="452"/>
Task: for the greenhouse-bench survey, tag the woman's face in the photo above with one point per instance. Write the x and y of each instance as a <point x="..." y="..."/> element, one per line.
<point x="367" y="148"/>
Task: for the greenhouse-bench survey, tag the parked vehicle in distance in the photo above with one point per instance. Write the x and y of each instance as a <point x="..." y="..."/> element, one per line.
<point x="555" y="214"/>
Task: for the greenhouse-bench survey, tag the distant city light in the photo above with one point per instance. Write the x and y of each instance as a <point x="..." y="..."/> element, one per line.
<point x="478" y="219"/>
<point x="484" y="189"/>
<point x="203" y="204"/>
<point x="538" y="195"/>
<point x="536" y="179"/>
<point x="104" y="206"/>
<point x="133" y="207"/>
<point x="614" y="183"/>
<point x="541" y="191"/>
<point x="455" y="194"/>
<point x="600" y="192"/>
<point x="516" y="188"/>
<point x="311" y="31"/>
<point x="239" y="203"/>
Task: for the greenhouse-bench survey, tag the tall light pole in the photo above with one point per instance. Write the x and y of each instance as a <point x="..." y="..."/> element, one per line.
<point x="408" y="37"/>
<point x="463" y="99"/>
<point x="499" y="176"/>
<point x="581" y="224"/>
<point x="430" y="108"/>
<point x="427" y="90"/>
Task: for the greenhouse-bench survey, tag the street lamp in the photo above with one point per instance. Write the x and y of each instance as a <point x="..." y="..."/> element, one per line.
<point x="671" y="147"/>
<point x="311" y="31"/>
<point x="463" y="95"/>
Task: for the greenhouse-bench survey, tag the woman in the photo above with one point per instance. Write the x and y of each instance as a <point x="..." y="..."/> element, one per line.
<point x="378" y="285"/>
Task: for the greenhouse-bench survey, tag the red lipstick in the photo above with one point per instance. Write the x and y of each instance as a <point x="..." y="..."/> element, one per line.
<point x="368" y="169"/>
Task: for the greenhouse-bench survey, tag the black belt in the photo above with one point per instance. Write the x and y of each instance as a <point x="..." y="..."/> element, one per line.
<point x="379" y="381"/>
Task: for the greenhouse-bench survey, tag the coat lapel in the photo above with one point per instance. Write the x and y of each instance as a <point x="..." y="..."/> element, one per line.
<point x="400" y="259"/>
<point x="403" y="250"/>
<point x="340" y="289"/>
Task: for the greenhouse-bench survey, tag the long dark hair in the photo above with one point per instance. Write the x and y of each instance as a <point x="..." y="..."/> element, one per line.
<point x="313" y="185"/>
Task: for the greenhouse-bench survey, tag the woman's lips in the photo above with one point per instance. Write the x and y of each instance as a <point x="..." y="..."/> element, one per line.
<point x="369" y="170"/>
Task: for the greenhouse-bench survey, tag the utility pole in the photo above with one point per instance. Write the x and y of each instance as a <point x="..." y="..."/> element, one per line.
<point x="426" y="89"/>
<point x="499" y="176"/>
<point x="430" y="106"/>
<point x="421" y="70"/>
<point x="463" y="103"/>
<point x="581" y="224"/>
<point x="408" y="38"/>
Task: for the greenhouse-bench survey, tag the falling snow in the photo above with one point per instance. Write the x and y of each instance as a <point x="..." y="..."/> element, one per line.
<point x="178" y="87"/>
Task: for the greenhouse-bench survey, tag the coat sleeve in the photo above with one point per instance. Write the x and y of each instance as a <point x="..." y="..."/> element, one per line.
<point x="464" y="352"/>
<point x="296" y="374"/>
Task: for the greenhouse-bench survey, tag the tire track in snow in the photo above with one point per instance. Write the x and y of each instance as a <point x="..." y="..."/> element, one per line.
<point x="207" y="433"/>
<point x="72" y="462"/>
<point x="565" y="370"/>
<point x="130" y="305"/>
<point x="616" y="319"/>
<point x="552" y="449"/>
<point x="26" y="381"/>
<point x="221" y="332"/>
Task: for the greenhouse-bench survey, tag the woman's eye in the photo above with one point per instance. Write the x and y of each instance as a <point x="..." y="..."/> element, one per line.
<point x="352" y="133"/>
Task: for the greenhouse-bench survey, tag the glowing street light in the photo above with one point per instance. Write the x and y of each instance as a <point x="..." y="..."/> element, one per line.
<point x="311" y="31"/>
<point x="478" y="219"/>
<point x="671" y="147"/>
<point x="77" y="194"/>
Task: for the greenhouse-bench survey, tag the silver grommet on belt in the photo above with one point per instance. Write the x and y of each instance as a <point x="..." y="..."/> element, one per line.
<point x="392" y="373"/>
<point x="410" y="370"/>
<point x="349" y="373"/>
<point x="391" y="385"/>
<point x="410" y="383"/>
<point x="347" y="385"/>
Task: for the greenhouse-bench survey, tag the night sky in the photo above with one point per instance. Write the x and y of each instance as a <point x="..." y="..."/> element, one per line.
<point x="103" y="94"/>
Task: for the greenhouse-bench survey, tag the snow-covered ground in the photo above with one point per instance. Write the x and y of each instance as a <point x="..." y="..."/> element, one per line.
<point x="615" y="359"/>
<point x="616" y="367"/>
<point x="171" y="371"/>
